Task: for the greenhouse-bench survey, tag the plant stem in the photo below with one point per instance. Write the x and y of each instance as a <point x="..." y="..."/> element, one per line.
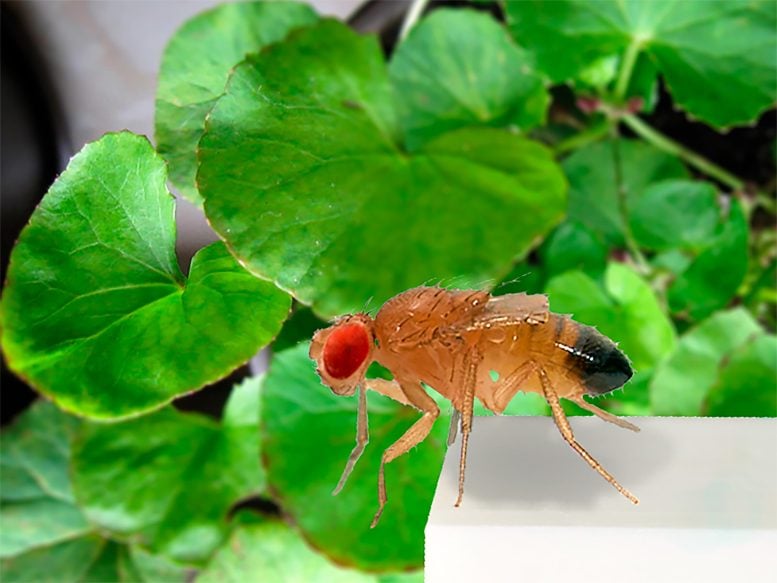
<point x="620" y="188"/>
<point x="412" y="16"/>
<point x="627" y="68"/>
<point x="668" y="145"/>
<point x="589" y="135"/>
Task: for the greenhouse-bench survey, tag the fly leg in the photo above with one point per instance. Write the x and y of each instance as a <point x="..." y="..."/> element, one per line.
<point x="454" y="428"/>
<point x="602" y="414"/>
<point x="390" y="389"/>
<point x="362" y="437"/>
<point x="566" y="431"/>
<point x="418" y="398"/>
<point x="470" y="367"/>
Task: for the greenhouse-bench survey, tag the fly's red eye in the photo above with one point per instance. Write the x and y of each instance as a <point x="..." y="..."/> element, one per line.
<point x="345" y="350"/>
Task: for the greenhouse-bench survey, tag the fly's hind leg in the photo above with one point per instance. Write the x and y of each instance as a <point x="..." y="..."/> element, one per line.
<point x="602" y="414"/>
<point x="566" y="431"/>
<point x="418" y="398"/>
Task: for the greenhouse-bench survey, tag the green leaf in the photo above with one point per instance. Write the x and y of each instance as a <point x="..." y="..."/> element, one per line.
<point x="300" y="327"/>
<point x="573" y="246"/>
<point x="675" y="213"/>
<point x="91" y="559"/>
<point x="242" y="407"/>
<point x="273" y="552"/>
<point x="626" y="310"/>
<point x="73" y="560"/>
<point x="44" y="535"/>
<point x="713" y="277"/>
<point x="36" y="502"/>
<point x="593" y="193"/>
<point x="719" y="59"/>
<point x="460" y="68"/>
<point x="302" y="175"/>
<point x="746" y="386"/>
<point x="196" y="65"/>
<point x="682" y="381"/>
<point x="96" y="313"/>
<point x="167" y="480"/>
<point x="308" y="433"/>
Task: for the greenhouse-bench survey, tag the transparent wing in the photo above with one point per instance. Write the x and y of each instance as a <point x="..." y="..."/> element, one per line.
<point x="507" y="310"/>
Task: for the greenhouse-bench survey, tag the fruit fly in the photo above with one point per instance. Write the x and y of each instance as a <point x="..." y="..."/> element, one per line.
<point x="467" y="344"/>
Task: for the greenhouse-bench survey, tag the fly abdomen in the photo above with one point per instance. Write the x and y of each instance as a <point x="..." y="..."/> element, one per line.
<point x="601" y="366"/>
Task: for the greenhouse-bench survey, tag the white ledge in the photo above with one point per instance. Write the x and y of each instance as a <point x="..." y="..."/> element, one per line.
<point x="535" y="511"/>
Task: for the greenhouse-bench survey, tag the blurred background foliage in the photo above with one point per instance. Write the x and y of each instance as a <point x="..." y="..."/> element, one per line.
<point x="614" y="156"/>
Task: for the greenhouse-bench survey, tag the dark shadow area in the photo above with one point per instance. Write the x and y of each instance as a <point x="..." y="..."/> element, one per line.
<point x="34" y="146"/>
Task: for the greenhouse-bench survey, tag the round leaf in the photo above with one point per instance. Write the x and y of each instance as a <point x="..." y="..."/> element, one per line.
<point x="167" y="480"/>
<point x="719" y="58"/>
<point x="196" y="65"/>
<point x="273" y="552"/>
<point x="307" y="435"/>
<point x="683" y="380"/>
<point x="36" y="501"/>
<point x="746" y="385"/>
<point x="96" y="313"/>
<point x="593" y="193"/>
<point x="574" y="246"/>
<point x="675" y="213"/>
<point x="303" y="176"/>
<point x="626" y="310"/>
<point x="459" y="68"/>
<point x="714" y="276"/>
<point x="91" y="559"/>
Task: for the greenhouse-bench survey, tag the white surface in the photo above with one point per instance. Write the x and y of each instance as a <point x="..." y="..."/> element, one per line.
<point x="534" y="511"/>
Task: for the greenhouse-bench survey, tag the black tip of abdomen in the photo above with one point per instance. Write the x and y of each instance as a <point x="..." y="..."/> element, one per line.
<point x="602" y="366"/>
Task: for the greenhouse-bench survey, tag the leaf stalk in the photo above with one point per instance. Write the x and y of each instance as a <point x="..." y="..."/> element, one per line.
<point x="670" y="146"/>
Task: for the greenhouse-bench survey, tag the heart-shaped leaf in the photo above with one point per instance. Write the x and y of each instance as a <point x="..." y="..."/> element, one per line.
<point x="715" y="274"/>
<point x="303" y="175"/>
<point x="271" y="551"/>
<point x="573" y="246"/>
<point x="96" y="313"/>
<point x="745" y="387"/>
<point x="195" y="68"/>
<point x="675" y="214"/>
<point x="719" y="58"/>
<point x="44" y="535"/>
<point x="460" y="68"/>
<point x="593" y="189"/>
<point x="36" y="502"/>
<point x="90" y="559"/>
<point x="626" y="310"/>
<point x="683" y="380"/>
<point x="307" y="435"/>
<point x="167" y="480"/>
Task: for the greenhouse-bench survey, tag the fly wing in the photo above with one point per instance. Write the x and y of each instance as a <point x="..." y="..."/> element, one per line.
<point x="516" y="308"/>
<point x="507" y="310"/>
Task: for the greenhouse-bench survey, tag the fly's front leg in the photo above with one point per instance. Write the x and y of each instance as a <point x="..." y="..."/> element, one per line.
<point x="566" y="431"/>
<point x="362" y="437"/>
<point x="418" y="398"/>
